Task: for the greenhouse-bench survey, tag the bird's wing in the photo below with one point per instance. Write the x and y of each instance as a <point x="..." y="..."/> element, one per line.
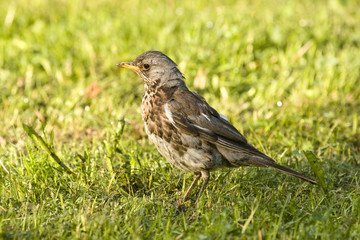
<point x="195" y="117"/>
<point x="192" y="115"/>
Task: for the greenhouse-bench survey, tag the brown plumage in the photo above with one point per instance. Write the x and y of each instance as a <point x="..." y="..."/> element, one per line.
<point x="188" y="132"/>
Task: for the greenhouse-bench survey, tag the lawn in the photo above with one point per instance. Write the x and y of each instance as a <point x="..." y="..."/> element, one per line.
<point x="285" y="73"/>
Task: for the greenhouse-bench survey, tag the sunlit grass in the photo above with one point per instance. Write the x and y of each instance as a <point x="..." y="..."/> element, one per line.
<point x="285" y="73"/>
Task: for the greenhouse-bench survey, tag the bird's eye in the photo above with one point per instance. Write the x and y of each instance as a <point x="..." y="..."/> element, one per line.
<point x="146" y="66"/>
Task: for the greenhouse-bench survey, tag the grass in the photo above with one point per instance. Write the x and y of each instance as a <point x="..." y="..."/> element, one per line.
<point x="285" y="73"/>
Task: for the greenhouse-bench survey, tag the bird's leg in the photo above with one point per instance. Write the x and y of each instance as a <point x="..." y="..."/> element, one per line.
<point x="205" y="175"/>
<point x="197" y="176"/>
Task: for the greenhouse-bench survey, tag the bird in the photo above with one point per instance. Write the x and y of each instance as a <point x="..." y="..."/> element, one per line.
<point x="186" y="130"/>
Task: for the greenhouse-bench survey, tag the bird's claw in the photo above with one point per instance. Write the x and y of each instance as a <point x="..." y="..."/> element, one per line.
<point x="180" y="206"/>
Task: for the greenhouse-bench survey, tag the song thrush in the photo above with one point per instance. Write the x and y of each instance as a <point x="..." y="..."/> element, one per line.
<point x="186" y="130"/>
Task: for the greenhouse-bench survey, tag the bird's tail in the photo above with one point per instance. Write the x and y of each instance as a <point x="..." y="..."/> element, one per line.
<point x="289" y="171"/>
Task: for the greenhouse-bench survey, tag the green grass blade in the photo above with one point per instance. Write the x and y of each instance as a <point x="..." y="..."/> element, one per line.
<point x="315" y="166"/>
<point x="39" y="140"/>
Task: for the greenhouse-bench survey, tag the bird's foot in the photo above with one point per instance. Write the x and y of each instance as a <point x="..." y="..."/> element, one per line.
<point x="180" y="206"/>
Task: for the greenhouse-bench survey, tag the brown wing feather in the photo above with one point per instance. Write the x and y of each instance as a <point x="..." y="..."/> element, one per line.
<point x="200" y="113"/>
<point x="207" y="124"/>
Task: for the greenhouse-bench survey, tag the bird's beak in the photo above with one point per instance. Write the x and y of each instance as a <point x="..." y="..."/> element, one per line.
<point x="129" y="65"/>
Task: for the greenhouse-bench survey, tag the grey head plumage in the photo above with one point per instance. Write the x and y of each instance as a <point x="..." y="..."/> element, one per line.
<point x="154" y="67"/>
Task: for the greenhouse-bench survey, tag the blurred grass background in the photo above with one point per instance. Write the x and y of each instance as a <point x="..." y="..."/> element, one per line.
<point x="285" y="73"/>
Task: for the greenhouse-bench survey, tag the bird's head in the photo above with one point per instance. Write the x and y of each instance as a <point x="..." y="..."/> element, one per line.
<point x="154" y="68"/>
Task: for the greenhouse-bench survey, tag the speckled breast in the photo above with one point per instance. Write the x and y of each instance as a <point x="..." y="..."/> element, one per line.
<point x="183" y="151"/>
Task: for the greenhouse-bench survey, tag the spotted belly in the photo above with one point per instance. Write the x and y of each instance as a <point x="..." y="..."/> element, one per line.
<point x="187" y="153"/>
